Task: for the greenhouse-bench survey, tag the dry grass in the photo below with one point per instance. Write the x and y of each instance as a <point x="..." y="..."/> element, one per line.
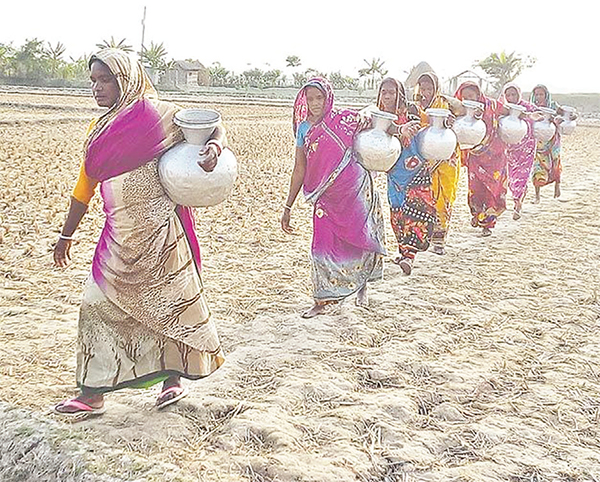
<point x="483" y="365"/>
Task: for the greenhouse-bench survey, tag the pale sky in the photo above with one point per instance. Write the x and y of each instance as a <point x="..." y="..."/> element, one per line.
<point x="333" y="35"/>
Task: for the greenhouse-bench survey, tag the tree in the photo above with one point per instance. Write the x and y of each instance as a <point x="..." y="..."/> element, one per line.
<point x="374" y="67"/>
<point x="55" y="59"/>
<point x="293" y="61"/>
<point x="219" y="75"/>
<point x="7" y="53"/>
<point x="30" y="60"/>
<point x="504" y="67"/>
<point x="113" y="44"/>
<point x="154" y="57"/>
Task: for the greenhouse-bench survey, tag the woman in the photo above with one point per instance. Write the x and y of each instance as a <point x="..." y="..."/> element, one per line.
<point x="444" y="174"/>
<point x="519" y="156"/>
<point x="413" y="213"/>
<point x="547" y="166"/>
<point x="486" y="163"/>
<point x="143" y="319"/>
<point x="348" y="234"/>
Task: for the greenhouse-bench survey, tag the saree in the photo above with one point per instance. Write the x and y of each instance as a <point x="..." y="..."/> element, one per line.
<point x="413" y="213"/>
<point x="444" y="174"/>
<point x="547" y="167"/>
<point x="520" y="156"/>
<point x="486" y="164"/>
<point x="143" y="316"/>
<point x="348" y="233"/>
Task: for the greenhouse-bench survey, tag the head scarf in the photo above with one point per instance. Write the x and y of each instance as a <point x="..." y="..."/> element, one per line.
<point x="530" y="107"/>
<point x="436" y="88"/>
<point x="490" y="118"/>
<point x="513" y="86"/>
<point x="400" y="107"/>
<point x="549" y="102"/>
<point x="301" y="104"/>
<point x="134" y="84"/>
<point x="327" y="140"/>
<point x="137" y="129"/>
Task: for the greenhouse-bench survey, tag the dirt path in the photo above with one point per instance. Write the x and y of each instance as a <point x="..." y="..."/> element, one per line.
<point x="482" y="365"/>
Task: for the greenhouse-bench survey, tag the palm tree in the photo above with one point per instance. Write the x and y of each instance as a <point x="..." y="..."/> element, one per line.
<point x="154" y="56"/>
<point x="293" y="61"/>
<point x="374" y="67"/>
<point x="113" y="44"/>
<point x="504" y="67"/>
<point x="55" y="54"/>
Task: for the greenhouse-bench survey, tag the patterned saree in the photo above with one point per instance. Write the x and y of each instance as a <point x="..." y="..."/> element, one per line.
<point x="143" y="317"/>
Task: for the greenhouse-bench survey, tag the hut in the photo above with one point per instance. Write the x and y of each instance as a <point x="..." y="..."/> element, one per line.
<point x="186" y="75"/>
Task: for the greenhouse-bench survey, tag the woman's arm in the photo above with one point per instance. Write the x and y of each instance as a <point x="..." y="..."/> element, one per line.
<point x="295" y="185"/>
<point x="62" y="249"/>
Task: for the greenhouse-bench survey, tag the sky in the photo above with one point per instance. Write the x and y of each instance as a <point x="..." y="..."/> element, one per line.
<point x="332" y="35"/>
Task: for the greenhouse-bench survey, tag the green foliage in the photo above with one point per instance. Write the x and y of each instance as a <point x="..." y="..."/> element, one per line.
<point x="155" y="56"/>
<point x="293" y="61"/>
<point x="504" y="67"/>
<point x="375" y="68"/>
<point x="112" y="43"/>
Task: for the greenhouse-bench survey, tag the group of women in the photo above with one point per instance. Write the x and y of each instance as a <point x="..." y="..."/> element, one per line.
<point x="347" y="244"/>
<point x="144" y="319"/>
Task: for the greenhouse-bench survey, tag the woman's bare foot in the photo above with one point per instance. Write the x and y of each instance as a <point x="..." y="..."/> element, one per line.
<point x="486" y="232"/>
<point x="557" y="189"/>
<point x="516" y="215"/>
<point x="315" y="310"/>
<point x="362" y="298"/>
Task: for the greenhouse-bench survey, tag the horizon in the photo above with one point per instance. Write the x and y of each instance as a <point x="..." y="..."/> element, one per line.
<point x="339" y="45"/>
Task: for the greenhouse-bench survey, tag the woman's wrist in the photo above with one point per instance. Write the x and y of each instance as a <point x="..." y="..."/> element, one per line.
<point x="287" y="207"/>
<point x="216" y="144"/>
<point x="65" y="237"/>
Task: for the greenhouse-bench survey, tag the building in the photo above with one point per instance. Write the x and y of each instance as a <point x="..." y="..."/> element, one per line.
<point x="186" y="75"/>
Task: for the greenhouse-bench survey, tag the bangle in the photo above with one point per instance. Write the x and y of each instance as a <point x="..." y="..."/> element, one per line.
<point x="217" y="144"/>
<point x="66" y="238"/>
<point x="287" y="208"/>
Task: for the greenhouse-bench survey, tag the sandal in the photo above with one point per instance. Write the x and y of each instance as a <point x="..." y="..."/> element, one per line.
<point x="80" y="408"/>
<point x="178" y="391"/>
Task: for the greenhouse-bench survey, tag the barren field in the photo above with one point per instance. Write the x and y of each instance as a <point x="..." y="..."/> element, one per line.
<point x="483" y="365"/>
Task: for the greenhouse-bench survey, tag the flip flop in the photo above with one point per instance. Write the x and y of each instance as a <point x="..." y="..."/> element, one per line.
<point x="82" y="408"/>
<point x="182" y="394"/>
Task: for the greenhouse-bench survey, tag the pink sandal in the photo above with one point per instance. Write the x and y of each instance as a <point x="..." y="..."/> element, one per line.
<point x="81" y="408"/>
<point x="179" y="391"/>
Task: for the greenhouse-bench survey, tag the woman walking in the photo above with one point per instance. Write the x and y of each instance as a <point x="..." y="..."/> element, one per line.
<point x="444" y="174"/>
<point x="547" y="167"/>
<point x="519" y="156"/>
<point x="486" y="164"/>
<point x="348" y="233"/>
<point x="413" y="212"/>
<point x="143" y="319"/>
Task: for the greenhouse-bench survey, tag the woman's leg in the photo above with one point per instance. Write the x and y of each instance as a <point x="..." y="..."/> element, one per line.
<point x="537" y="195"/>
<point x="557" y="189"/>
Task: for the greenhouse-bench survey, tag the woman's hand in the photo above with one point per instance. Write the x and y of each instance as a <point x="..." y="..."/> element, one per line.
<point x="285" y="221"/>
<point x="410" y="129"/>
<point x="209" y="156"/>
<point x="536" y="116"/>
<point x="62" y="253"/>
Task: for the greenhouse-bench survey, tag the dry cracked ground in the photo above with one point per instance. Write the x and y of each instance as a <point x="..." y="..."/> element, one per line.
<point x="481" y="366"/>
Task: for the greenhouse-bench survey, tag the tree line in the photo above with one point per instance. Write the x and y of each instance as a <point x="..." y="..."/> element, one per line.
<point x="38" y="62"/>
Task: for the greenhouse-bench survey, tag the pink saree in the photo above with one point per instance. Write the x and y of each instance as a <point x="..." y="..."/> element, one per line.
<point x="348" y="234"/>
<point x="520" y="156"/>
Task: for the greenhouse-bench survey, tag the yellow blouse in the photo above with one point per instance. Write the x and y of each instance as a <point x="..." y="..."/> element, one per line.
<point x="86" y="186"/>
